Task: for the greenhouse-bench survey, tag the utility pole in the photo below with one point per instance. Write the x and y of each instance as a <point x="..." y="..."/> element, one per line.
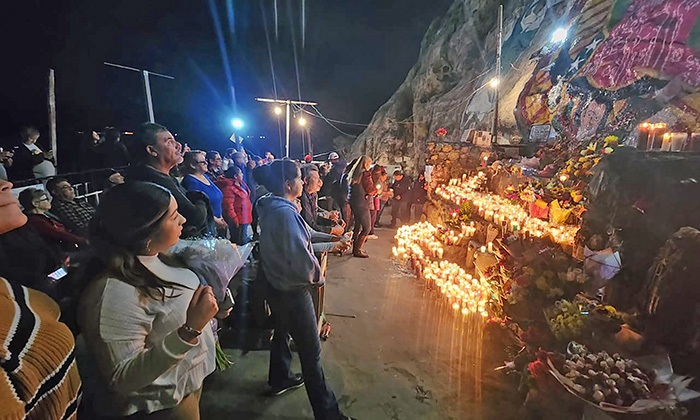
<point x="288" y="104"/>
<point x="494" y="130"/>
<point x="146" y="85"/>
<point x="51" y="102"/>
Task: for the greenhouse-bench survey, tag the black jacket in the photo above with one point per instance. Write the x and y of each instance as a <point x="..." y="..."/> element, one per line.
<point x="420" y="195"/>
<point x="309" y="212"/>
<point x="402" y="188"/>
<point x="195" y="213"/>
<point x="23" y="163"/>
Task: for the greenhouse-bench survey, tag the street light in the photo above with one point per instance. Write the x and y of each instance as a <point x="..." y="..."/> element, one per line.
<point x="237" y="123"/>
<point x="278" y="110"/>
<point x="302" y="121"/>
<point x="494" y="82"/>
<point x="560" y="35"/>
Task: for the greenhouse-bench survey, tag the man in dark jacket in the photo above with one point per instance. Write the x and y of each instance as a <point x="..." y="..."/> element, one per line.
<point x="419" y="197"/>
<point x="157" y="153"/>
<point x="318" y="219"/>
<point x="401" y="202"/>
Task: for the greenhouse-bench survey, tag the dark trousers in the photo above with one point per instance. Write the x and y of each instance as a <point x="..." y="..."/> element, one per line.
<point x="398" y="211"/>
<point x="363" y="225"/>
<point x="382" y="206"/>
<point x="373" y="220"/>
<point x="417" y="211"/>
<point x="294" y="315"/>
<point x="346" y="214"/>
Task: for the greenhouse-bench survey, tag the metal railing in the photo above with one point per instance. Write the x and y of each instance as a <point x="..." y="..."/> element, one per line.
<point x="89" y="185"/>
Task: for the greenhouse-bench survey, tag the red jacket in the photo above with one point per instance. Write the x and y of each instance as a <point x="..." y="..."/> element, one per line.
<point x="53" y="230"/>
<point x="236" y="205"/>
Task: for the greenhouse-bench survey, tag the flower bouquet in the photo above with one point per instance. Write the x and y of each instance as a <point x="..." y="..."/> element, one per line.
<point x="215" y="261"/>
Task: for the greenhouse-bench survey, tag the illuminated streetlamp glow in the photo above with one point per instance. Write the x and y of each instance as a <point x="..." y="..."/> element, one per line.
<point x="237" y="123"/>
<point x="278" y="110"/>
<point x="494" y="82"/>
<point x="560" y="35"/>
<point x="302" y="121"/>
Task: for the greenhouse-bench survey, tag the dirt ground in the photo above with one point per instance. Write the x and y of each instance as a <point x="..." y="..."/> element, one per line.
<point x="396" y="352"/>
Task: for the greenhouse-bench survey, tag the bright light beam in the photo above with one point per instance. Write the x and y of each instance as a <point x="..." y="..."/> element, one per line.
<point x="237" y="123"/>
<point x="222" y="49"/>
<point x="560" y="35"/>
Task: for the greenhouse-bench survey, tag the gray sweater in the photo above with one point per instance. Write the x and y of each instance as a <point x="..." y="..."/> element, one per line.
<point x="286" y="253"/>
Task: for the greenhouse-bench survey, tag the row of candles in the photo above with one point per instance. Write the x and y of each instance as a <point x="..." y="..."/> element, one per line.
<point x="494" y="208"/>
<point x="464" y="293"/>
<point x="455" y="237"/>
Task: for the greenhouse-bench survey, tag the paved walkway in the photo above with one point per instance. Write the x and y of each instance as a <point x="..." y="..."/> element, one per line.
<point x="404" y="355"/>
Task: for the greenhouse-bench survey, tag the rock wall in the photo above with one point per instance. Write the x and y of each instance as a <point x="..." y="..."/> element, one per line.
<point x="636" y="201"/>
<point x="451" y="160"/>
<point x="622" y="62"/>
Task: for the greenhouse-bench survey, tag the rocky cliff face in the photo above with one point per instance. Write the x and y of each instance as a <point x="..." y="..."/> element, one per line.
<point x="622" y="62"/>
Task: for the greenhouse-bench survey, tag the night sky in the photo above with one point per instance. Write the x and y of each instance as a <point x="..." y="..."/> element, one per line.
<point x="355" y="56"/>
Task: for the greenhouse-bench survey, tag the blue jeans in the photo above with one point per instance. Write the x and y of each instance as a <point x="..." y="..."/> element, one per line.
<point x="294" y="314"/>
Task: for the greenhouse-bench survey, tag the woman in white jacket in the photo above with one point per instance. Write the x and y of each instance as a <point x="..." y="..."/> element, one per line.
<point x="145" y="318"/>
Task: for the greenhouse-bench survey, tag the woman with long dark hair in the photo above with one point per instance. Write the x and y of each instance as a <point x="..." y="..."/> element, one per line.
<point x="362" y="192"/>
<point x="145" y="318"/>
<point x="292" y="273"/>
<point x="38" y="374"/>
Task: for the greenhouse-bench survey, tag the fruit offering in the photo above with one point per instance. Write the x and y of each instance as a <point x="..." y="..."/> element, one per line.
<point x="601" y="377"/>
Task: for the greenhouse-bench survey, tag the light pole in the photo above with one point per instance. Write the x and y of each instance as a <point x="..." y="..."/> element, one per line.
<point x="497" y="80"/>
<point x="146" y="85"/>
<point x="288" y="103"/>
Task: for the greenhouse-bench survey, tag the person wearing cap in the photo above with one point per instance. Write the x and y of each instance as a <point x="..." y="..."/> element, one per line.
<point x="402" y="200"/>
<point x="308" y="159"/>
<point x="338" y="194"/>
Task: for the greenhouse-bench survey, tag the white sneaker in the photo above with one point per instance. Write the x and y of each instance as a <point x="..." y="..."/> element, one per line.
<point x="372" y="237"/>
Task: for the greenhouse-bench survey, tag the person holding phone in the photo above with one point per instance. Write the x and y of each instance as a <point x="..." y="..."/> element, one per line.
<point x="29" y="160"/>
<point x="38" y="374"/>
<point x="145" y="317"/>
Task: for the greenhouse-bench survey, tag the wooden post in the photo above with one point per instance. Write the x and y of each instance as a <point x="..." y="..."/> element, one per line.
<point x="52" y="115"/>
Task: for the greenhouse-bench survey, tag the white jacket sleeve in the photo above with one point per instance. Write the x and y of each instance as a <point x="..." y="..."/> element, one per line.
<point x="123" y="357"/>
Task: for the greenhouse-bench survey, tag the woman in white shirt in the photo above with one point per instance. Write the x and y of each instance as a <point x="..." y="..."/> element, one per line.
<point x="145" y="318"/>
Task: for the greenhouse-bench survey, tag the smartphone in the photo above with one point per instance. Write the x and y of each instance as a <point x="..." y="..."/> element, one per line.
<point x="58" y="274"/>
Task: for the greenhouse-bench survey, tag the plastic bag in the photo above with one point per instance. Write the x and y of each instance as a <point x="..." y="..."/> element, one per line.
<point x="212" y="259"/>
<point x="558" y="214"/>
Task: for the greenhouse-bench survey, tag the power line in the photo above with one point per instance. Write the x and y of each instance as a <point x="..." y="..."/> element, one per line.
<point x="335" y="121"/>
<point x="406" y="120"/>
<point x="331" y="124"/>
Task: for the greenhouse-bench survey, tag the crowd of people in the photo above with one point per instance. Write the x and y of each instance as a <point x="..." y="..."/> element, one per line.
<point x="145" y="318"/>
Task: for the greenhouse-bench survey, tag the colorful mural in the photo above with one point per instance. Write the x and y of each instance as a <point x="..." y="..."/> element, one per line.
<point x="624" y="61"/>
